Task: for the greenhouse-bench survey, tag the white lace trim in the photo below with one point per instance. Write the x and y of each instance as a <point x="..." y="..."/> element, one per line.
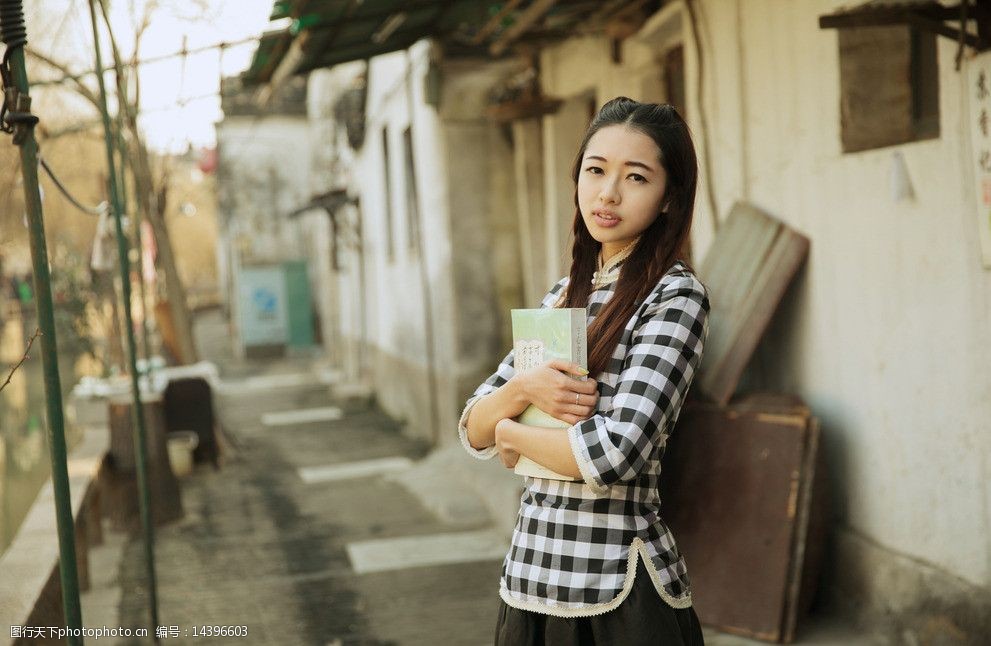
<point x="609" y="272"/>
<point x="584" y="463"/>
<point x="484" y="454"/>
<point x="590" y="610"/>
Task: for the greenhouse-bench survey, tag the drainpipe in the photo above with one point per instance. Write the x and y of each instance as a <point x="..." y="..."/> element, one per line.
<point x="428" y="316"/>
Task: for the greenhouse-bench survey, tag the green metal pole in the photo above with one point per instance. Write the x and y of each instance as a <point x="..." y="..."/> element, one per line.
<point x="49" y="347"/>
<point x="138" y="417"/>
<point x="138" y="244"/>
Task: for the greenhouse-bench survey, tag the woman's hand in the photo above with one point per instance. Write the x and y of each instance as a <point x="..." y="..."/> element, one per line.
<point x="549" y="388"/>
<point x="507" y="454"/>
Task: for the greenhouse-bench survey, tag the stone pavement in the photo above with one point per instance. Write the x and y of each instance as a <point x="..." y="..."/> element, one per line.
<point x="286" y="552"/>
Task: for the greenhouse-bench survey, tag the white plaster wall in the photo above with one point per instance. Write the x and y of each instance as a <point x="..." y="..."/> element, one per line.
<point x="394" y="102"/>
<point x="886" y="334"/>
<point x="889" y="345"/>
<point x="263" y="175"/>
<point x="398" y="280"/>
<point x="468" y="221"/>
<point x="483" y="223"/>
<point x="340" y="293"/>
<point x="264" y="164"/>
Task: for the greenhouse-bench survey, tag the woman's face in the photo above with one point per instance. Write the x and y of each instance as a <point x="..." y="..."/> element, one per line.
<point x="620" y="186"/>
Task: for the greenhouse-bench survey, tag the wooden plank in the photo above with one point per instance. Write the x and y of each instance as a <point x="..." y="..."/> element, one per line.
<point x="527" y="18"/>
<point x="718" y="272"/>
<point x="752" y="319"/>
<point x="868" y="16"/>
<point x="875" y="87"/>
<point x="795" y="593"/>
<point x="747" y="270"/>
<point x="494" y="22"/>
<point x="733" y="493"/>
<point x="527" y="107"/>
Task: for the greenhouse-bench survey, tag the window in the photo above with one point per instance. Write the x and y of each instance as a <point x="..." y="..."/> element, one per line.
<point x="412" y="199"/>
<point x="389" y="236"/>
<point x="889" y="86"/>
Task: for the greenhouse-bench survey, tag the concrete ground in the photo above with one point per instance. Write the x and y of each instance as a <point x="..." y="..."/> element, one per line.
<point x="283" y="541"/>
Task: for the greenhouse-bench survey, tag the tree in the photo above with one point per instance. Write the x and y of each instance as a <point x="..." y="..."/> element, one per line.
<point x="151" y="192"/>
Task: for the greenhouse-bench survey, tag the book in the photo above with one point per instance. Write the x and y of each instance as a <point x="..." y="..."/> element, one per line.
<point x="540" y="335"/>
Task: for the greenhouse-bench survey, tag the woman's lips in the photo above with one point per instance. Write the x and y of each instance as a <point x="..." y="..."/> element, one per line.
<point x="604" y="220"/>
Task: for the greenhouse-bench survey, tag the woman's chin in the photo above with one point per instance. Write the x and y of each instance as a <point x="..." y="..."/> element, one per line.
<point x="604" y="236"/>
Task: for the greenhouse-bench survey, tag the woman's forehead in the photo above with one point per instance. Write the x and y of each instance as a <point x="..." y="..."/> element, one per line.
<point x="621" y="143"/>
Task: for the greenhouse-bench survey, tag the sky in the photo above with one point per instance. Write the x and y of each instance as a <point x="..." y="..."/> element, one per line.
<point x="179" y="97"/>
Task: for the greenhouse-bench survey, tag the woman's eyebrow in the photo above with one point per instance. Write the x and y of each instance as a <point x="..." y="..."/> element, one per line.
<point x="629" y="163"/>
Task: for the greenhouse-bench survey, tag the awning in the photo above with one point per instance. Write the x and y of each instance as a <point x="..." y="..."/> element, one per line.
<point x="927" y="15"/>
<point x="325" y="33"/>
<point x="272" y="46"/>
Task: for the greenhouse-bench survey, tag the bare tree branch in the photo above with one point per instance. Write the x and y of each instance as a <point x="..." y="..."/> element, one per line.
<point x="84" y="127"/>
<point x="37" y="333"/>
<point x="81" y="87"/>
<point x="139" y="32"/>
<point x="118" y="63"/>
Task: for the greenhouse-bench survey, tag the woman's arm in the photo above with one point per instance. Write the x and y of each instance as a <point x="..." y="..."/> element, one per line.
<point x="665" y="350"/>
<point x="549" y="447"/>
<point x="546" y="386"/>
<point x="508" y="400"/>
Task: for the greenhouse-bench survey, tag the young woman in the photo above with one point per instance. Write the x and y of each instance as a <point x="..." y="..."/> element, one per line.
<point x="591" y="561"/>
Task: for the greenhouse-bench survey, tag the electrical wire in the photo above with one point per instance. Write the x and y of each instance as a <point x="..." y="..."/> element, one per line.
<point x="183" y="53"/>
<point x="89" y="210"/>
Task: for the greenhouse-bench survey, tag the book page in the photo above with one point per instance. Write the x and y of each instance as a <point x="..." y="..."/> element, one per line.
<point x="528" y="353"/>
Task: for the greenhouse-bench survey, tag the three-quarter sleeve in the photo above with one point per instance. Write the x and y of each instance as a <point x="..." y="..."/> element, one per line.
<point x="503" y="373"/>
<point x="490" y="385"/>
<point x="665" y="350"/>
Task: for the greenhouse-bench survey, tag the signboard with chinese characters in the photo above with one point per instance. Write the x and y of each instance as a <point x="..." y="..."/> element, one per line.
<point x="979" y="91"/>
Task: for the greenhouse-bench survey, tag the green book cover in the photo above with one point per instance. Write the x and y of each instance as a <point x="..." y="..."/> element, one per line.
<point x="540" y="335"/>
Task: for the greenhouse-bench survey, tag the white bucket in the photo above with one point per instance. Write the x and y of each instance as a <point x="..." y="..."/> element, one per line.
<point x="181" y="445"/>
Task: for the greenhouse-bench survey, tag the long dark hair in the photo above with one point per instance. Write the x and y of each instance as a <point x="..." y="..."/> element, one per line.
<point x="660" y="245"/>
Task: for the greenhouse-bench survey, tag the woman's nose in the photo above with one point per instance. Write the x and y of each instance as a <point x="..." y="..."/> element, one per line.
<point x="609" y="192"/>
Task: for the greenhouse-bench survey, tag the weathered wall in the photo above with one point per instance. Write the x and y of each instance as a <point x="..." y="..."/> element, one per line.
<point x="885" y="332"/>
<point x="263" y="175"/>
<point x="897" y="286"/>
<point x="466" y="204"/>
<point x="338" y="292"/>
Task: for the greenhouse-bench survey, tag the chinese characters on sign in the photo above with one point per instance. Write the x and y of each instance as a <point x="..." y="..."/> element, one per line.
<point x="979" y="91"/>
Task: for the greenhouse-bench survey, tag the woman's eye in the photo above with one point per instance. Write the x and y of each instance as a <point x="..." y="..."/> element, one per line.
<point x="595" y="170"/>
<point x="639" y="179"/>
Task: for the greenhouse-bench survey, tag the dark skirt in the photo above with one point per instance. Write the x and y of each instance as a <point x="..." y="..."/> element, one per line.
<point x="642" y="618"/>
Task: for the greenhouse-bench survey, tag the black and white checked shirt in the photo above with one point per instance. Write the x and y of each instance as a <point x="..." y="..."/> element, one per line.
<point x="575" y="544"/>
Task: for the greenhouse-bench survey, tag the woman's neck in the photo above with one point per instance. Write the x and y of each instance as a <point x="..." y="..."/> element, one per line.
<point x="611" y="250"/>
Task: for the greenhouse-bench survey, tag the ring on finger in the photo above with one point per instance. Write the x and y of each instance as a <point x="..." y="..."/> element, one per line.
<point x="576" y="399"/>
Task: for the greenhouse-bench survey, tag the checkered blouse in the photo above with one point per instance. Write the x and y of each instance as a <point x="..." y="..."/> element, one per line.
<point x="575" y="544"/>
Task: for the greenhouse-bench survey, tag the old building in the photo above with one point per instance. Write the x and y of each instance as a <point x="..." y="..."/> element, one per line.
<point x="846" y="124"/>
<point x="263" y="177"/>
